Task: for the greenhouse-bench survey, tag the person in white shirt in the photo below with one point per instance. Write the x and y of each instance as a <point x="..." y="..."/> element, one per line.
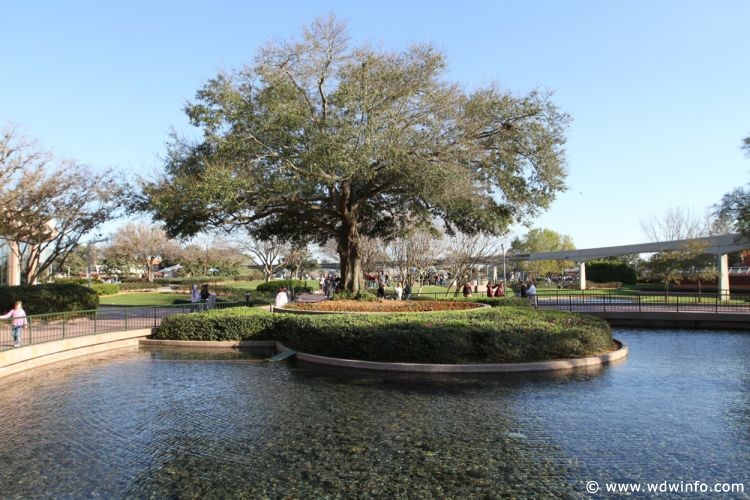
<point x="282" y="298"/>
<point x="531" y="294"/>
<point x="399" y="291"/>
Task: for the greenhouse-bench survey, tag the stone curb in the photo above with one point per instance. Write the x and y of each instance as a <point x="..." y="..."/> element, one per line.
<point x="537" y="366"/>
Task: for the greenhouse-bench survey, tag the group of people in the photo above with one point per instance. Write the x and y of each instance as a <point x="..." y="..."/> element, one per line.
<point x="201" y="298"/>
<point x="329" y="285"/>
<point x="496" y="291"/>
<point x="403" y="292"/>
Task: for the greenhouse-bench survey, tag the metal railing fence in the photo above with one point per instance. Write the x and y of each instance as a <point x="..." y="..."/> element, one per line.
<point x="723" y="301"/>
<point x="622" y="300"/>
<point x="57" y="326"/>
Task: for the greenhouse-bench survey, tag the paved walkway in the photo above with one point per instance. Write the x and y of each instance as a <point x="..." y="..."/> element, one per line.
<point x="310" y="297"/>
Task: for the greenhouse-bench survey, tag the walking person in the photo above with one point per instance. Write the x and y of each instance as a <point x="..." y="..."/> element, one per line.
<point x="195" y="298"/>
<point x="399" y="291"/>
<point x="489" y="289"/>
<point x="381" y="291"/>
<point x="407" y="291"/>
<point x="531" y="294"/>
<point x="282" y="298"/>
<point x="500" y="289"/>
<point x="18" y="323"/>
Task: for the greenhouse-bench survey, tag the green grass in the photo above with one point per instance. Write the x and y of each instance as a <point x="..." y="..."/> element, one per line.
<point x="243" y="285"/>
<point x="141" y="299"/>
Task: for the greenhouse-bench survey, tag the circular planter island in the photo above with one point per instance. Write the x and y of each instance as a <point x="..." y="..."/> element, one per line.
<point x="461" y="337"/>
<point x="379" y="306"/>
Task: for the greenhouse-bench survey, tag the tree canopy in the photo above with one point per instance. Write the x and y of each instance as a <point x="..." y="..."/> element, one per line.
<point x="322" y="140"/>
<point x="49" y="205"/>
<point x="734" y="207"/>
<point x="543" y="240"/>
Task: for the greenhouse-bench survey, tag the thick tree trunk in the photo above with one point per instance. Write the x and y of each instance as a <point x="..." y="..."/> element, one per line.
<point x="150" y="270"/>
<point x="349" y="258"/>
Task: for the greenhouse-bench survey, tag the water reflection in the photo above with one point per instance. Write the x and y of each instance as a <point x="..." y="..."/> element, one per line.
<point x="166" y="422"/>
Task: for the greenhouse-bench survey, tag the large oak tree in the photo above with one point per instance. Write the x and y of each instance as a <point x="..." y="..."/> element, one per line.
<point x="323" y="140"/>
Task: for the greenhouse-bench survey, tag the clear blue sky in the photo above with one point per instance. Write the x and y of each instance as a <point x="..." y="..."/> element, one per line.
<point x="659" y="90"/>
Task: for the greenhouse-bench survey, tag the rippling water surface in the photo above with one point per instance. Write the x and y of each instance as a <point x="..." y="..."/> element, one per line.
<point x="179" y="423"/>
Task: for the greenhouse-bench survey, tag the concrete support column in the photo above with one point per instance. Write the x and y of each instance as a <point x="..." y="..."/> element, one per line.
<point x="724" y="276"/>
<point x="582" y="273"/>
<point x="14" y="267"/>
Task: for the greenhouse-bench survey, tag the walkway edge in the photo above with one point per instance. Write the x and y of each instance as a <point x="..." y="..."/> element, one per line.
<point x="35" y="355"/>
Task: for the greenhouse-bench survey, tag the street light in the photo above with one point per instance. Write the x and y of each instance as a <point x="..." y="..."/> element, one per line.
<point x="502" y="248"/>
<point x="88" y="259"/>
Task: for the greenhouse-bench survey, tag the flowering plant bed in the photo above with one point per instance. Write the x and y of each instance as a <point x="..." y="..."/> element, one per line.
<point x="383" y="306"/>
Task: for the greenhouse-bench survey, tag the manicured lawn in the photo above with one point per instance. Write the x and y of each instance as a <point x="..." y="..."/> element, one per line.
<point x="242" y="285"/>
<point x="141" y="299"/>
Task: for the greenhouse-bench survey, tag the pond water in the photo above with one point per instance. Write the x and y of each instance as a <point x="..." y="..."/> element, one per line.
<point x="186" y="423"/>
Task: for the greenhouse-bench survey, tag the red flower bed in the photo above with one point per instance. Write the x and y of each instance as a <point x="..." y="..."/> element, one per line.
<point x="383" y="306"/>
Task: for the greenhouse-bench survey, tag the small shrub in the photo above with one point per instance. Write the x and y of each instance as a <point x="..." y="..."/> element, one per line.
<point x="360" y="295"/>
<point x="607" y="272"/>
<point x="138" y="285"/>
<point x="105" y="288"/>
<point x="49" y="298"/>
<point x="298" y="285"/>
<point x="590" y="285"/>
<point x="77" y="281"/>
<point x="481" y="299"/>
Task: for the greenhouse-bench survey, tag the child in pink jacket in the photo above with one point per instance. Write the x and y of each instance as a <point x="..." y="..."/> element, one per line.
<point x="19" y="322"/>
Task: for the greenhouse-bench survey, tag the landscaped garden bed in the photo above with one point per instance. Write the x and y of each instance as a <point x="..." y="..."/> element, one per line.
<point x="487" y="335"/>
<point x="404" y="306"/>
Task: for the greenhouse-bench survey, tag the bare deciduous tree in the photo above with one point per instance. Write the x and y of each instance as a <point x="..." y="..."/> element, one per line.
<point x="141" y="245"/>
<point x="414" y="255"/>
<point x="267" y="253"/>
<point x="210" y="251"/>
<point x="49" y="205"/>
<point x="464" y="255"/>
<point x="676" y="224"/>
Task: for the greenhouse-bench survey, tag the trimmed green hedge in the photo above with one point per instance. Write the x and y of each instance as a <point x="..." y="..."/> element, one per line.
<point x="298" y="285"/>
<point x="138" y="285"/>
<point x="496" y="301"/>
<point x="105" y="288"/>
<point x="606" y="272"/>
<point x="49" y="298"/>
<point x="500" y="334"/>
